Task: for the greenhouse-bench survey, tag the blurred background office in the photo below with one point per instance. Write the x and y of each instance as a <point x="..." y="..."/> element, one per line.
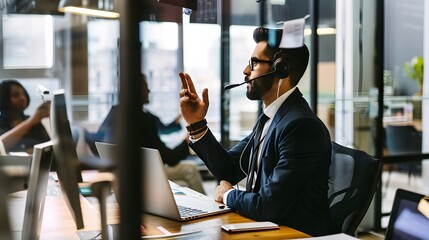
<point x="367" y="61"/>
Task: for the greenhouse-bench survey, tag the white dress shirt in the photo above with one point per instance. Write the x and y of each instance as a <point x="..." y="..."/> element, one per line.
<point x="270" y="111"/>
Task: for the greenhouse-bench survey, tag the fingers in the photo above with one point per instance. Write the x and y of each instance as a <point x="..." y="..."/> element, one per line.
<point x="191" y="86"/>
<point x="183" y="80"/>
<point x="188" y="92"/>
<point x="205" y="96"/>
<point x="187" y="82"/>
<point x="218" y="196"/>
<point x="46" y="104"/>
<point x="185" y="95"/>
<point x="221" y="189"/>
<point x="225" y="184"/>
<point x="44" y="109"/>
<point x="185" y="92"/>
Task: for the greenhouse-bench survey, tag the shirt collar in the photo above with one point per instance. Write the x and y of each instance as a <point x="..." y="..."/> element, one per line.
<point x="271" y="110"/>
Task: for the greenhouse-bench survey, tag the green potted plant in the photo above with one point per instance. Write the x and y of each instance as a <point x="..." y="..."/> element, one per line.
<point x="414" y="70"/>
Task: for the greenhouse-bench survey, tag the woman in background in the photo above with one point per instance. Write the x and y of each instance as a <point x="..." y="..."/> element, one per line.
<point x="20" y="132"/>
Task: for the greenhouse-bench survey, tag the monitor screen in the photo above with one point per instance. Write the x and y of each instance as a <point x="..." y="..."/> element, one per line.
<point x="406" y="220"/>
<point x="67" y="162"/>
<point x="37" y="187"/>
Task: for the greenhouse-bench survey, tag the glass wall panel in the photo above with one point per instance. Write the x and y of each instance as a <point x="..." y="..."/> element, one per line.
<point x="80" y="54"/>
<point x="201" y="50"/>
<point x="21" y="33"/>
<point x="355" y="110"/>
<point x="103" y="67"/>
<point x="243" y="112"/>
<point x="245" y="12"/>
<point x="160" y="65"/>
<point x="32" y="52"/>
<point x="404" y="99"/>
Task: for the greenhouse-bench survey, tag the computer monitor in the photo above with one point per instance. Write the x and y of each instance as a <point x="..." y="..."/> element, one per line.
<point x="68" y="169"/>
<point x="407" y="221"/>
<point x="398" y="112"/>
<point x="37" y="187"/>
<point x="5" y="232"/>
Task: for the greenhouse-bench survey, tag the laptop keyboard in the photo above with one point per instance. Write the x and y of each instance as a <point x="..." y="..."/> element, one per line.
<point x="186" y="212"/>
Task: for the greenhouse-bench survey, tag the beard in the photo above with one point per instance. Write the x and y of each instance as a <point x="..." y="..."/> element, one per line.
<point x="257" y="88"/>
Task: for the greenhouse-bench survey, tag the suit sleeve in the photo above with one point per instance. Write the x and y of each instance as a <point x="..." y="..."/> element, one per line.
<point x="298" y="156"/>
<point x="223" y="164"/>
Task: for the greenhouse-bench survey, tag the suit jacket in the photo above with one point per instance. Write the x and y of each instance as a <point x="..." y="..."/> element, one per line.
<point x="292" y="183"/>
<point x="149" y="136"/>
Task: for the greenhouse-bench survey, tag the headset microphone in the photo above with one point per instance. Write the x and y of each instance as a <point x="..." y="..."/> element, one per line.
<point x="229" y="86"/>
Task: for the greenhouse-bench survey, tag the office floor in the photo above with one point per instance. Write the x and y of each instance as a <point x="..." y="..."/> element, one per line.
<point x="397" y="180"/>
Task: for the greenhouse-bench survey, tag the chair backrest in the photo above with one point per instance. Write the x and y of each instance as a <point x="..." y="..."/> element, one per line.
<point x="353" y="177"/>
<point x="403" y="139"/>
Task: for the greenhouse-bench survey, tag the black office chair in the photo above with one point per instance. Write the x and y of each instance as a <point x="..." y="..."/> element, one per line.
<point x="352" y="183"/>
<point x="404" y="139"/>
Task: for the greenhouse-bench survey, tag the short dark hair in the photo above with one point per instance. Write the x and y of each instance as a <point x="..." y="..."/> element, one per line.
<point x="5" y="88"/>
<point x="296" y="58"/>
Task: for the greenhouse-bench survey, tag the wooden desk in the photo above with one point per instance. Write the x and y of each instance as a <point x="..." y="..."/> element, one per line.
<point x="58" y="222"/>
<point x="208" y="227"/>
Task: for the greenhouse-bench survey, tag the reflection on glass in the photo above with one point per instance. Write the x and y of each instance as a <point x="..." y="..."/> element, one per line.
<point x="201" y="44"/>
<point x="103" y="68"/>
<point x="160" y="42"/>
<point x="19" y="43"/>
<point x="243" y="112"/>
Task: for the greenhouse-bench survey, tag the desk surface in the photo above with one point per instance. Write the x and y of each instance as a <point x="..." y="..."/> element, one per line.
<point x="210" y="228"/>
<point x="58" y="223"/>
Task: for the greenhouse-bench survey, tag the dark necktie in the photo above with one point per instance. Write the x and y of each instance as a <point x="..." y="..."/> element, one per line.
<point x="254" y="154"/>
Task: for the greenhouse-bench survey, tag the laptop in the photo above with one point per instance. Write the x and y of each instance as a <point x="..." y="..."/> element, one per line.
<point x="163" y="197"/>
<point x="406" y="220"/>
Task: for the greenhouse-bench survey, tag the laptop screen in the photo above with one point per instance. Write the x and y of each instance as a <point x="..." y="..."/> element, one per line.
<point x="406" y="221"/>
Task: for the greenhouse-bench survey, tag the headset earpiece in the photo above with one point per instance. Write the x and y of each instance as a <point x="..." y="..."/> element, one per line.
<point x="281" y="68"/>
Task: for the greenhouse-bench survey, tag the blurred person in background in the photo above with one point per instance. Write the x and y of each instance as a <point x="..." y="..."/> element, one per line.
<point x="177" y="167"/>
<point x="20" y="132"/>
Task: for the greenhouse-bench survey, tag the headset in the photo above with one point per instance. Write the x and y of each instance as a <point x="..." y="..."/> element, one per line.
<point x="280" y="66"/>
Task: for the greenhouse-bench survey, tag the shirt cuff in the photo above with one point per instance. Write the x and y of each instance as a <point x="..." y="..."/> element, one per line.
<point x="225" y="196"/>
<point x="197" y="139"/>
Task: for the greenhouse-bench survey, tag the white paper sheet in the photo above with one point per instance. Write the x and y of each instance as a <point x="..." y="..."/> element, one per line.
<point x="293" y="34"/>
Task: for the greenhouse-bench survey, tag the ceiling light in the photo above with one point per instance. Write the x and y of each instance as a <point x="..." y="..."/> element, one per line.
<point x="95" y="8"/>
<point x="321" y="31"/>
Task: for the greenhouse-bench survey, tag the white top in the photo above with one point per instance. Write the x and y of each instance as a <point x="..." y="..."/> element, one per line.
<point x="270" y="111"/>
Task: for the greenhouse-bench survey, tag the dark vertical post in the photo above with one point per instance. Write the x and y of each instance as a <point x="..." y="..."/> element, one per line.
<point x="314" y="53"/>
<point x="79" y="61"/>
<point x="262" y="20"/>
<point x="379" y="68"/>
<point x="129" y="130"/>
<point x="224" y="14"/>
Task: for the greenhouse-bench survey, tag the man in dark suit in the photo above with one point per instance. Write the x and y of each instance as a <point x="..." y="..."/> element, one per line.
<point x="289" y="182"/>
